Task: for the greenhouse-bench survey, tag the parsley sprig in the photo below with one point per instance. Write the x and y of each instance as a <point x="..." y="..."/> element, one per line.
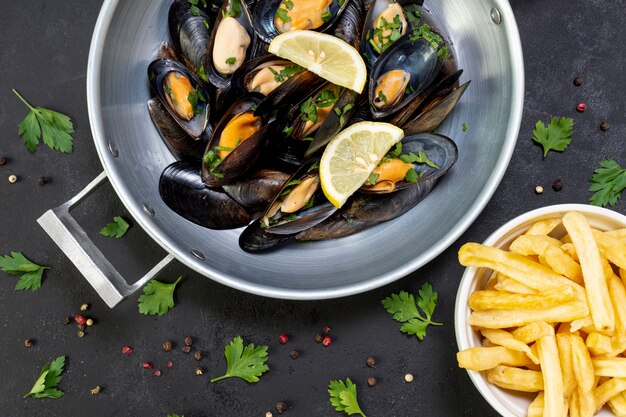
<point x="116" y="229"/>
<point x="554" y="137"/>
<point x="436" y="41"/>
<point x="607" y="183"/>
<point x="49" y="378"/>
<point x="157" y="297"/>
<point x="308" y="109"/>
<point x="286" y="73"/>
<point x="247" y="363"/>
<point x="55" y="128"/>
<point x="343" y="397"/>
<point x="403" y="306"/>
<point x="30" y="273"/>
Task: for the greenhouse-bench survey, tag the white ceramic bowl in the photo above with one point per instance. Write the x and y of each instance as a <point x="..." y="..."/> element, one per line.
<point x="510" y="403"/>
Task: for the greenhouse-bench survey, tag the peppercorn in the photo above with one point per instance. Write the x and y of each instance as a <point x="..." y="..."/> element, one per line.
<point x="198" y="355"/>
<point x="371" y="362"/>
<point x="283" y="338"/>
<point x="80" y="333"/>
<point x="28" y="343"/>
<point x="281" y="407"/>
<point x="318" y="337"/>
<point x="408" y="378"/>
<point x="327" y="341"/>
<point x="167" y="346"/>
<point x="41" y="181"/>
<point x="186" y="349"/>
<point x="80" y="319"/>
<point x="604" y="126"/>
<point x="581" y="107"/>
<point x="89" y="322"/>
<point x="147" y="365"/>
<point x="199" y="371"/>
<point x="294" y="354"/>
<point x="127" y="350"/>
<point x="578" y="81"/>
<point x="170" y="364"/>
<point x="96" y="390"/>
<point x="84" y="307"/>
<point x="67" y="320"/>
<point x="188" y="341"/>
<point x="557" y="185"/>
<point x="157" y="373"/>
<point x="12" y="179"/>
<point x="539" y="189"/>
<point x="371" y="381"/>
<point x="326" y="329"/>
<point x="3" y="160"/>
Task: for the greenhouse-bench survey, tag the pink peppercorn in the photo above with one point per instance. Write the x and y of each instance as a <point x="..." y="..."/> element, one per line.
<point x="327" y="341"/>
<point x="157" y="373"/>
<point x="581" y="107"/>
<point x="283" y="338"/>
<point x="148" y="365"/>
<point x="127" y="350"/>
<point x="170" y="364"/>
<point x="326" y="329"/>
<point x="80" y="319"/>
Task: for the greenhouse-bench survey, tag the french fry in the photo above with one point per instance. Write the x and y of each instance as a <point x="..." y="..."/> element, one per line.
<point x="608" y="390"/>
<point x="535" y="409"/>
<point x="501" y="319"/>
<point x="570" y="250"/>
<point x="533" y="331"/>
<point x="552" y="377"/>
<point x="611" y="367"/>
<point x="584" y="323"/>
<point x="584" y="375"/>
<point x="574" y="405"/>
<point x="490" y="300"/>
<point x="598" y="297"/>
<point x="567" y="364"/>
<point x="599" y="344"/>
<point x="550" y="251"/>
<point x="566" y="239"/>
<point x="618" y="405"/>
<point x="622" y="275"/>
<point x="618" y="298"/>
<point x="505" y="339"/>
<point x="612" y="248"/>
<point x="483" y="358"/>
<point x="543" y="227"/>
<point x="586" y="404"/>
<point x="516" y="379"/>
<point x="618" y="234"/>
<point x="507" y="284"/>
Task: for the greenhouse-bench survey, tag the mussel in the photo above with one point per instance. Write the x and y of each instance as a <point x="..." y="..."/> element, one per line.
<point x="236" y="143"/>
<point x="183" y="191"/>
<point x="181" y="93"/>
<point x="263" y="75"/>
<point x="272" y="17"/>
<point x="256" y="191"/>
<point x="349" y="26"/>
<point x="230" y="44"/>
<point x="189" y="30"/>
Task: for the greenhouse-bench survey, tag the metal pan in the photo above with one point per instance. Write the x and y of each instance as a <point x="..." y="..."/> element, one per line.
<point x="487" y="45"/>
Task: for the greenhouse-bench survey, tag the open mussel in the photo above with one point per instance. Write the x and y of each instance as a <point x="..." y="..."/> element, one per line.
<point x="181" y="93"/>
<point x="236" y="143"/>
<point x="256" y="191"/>
<point x="273" y="17"/>
<point x="416" y="159"/>
<point x="183" y="191"/>
<point x="189" y="30"/>
<point x="230" y="44"/>
<point x="262" y="75"/>
<point x="290" y="93"/>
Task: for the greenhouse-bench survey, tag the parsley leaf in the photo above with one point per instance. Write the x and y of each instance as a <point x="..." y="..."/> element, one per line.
<point x="246" y="363"/>
<point x="202" y="74"/>
<point x="117" y="229"/>
<point x="49" y="378"/>
<point x="556" y="136"/>
<point x="420" y="158"/>
<point x="343" y="397"/>
<point x="308" y="111"/>
<point x="607" y="183"/>
<point x="157" y="297"/>
<point x="18" y="264"/>
<point x="403" y="306"/>
<point x="56" y="128"/>
<point x="464" y="127"/>
<point x="283" y="15"/>
<point x="194" y="98"/>
<point x="231" y="60"/>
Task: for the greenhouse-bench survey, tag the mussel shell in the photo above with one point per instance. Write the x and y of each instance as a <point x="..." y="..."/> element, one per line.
<point x="258" y="190"/>
<point x="290" y="93"/>
<point x="166" y="51"/>
<point x="245" y="20"/>
<point x="157" y="71"/>
<point x="190" y="34"/>
<point x="183" y="191"/>
<point x="418" y="58"/>
<point x="304" y="218"/>
<point x="265" y="11"/>
<point x="179" y="142"/>
<point x="242" y="157"/>
<point x="441" y="150"/>
<point x="244" y="75"/>
<point x="255" y="239"/>
<point x="348" y="27"/>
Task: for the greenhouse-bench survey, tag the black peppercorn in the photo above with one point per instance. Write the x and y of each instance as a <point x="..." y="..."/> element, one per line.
<point x="186" y="349"/>
<point x="371" y="381"/>
<point x="294" y="354"/>
<point x="281" y="407"/>
<point x="198" y="355"/>
<point x="578" y="81"/>
<point x="557" y="185"/>
<point x="167" y="346"/>
<point x="371" y="362"/>
<point x="604" y="126"/>
<point x="188" y="341"/>
<point x="43" y="181"/>
<point x="318" y="337"/>
<point x="3" y="160"/>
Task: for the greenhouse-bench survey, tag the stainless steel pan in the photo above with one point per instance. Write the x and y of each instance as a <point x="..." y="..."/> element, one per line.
<point x="485" y="40"/>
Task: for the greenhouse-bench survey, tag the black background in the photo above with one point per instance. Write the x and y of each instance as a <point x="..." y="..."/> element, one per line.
<point x="43" y="54"/>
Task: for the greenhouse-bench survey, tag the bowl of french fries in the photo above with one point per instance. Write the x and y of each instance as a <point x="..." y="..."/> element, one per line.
<point x="540" y="314"/>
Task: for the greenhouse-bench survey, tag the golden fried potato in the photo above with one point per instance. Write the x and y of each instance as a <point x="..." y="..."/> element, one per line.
<point x="554" y="399"/>
<point x="483" y="358"/>
<point x="501" y="319"/>
<point x="550" y="253"/>
<point x="543" y="227"/>
<point x="608" y="390"/>
<point x="516" y="379"/>
<point x="505" y="339"/>
<point x="533" y="331"/>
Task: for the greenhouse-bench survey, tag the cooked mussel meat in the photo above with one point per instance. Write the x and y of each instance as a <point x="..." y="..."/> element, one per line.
<point x="390" y="88"/>
<point x="262" y="75"/>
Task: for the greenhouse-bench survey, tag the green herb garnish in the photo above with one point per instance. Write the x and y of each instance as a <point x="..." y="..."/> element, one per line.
<point x="420" y="158"/>
<point x="194" y="98"/>
<point x="202" y="74"/>
<point x="157" y="297"/>
<point x="308" y="111"/>
<point x="30" y="273"/>
<point x="607" y="183"/>
<point x="343" y="397"/>
<point x="326" y="16"/>
<point x="234" y="9"/>
<point x="287" y="130"/>
<point x="436" y="41"/>
<point x="212" y="160"/>
<point x="556" y="136"/>
<point x="288" y="4"/>
<point x="231" y="60"/>
<point x="247" y="363"/>
<point x="283" y="15"/>
<point x="403" y="306"/>
<point x="382" y="97"/>
<point x="286" y="73"/>
<point x="373" y="178"/>
<point x="49" y="378"/>
<point x="464" y="127"/>
<point x="117" y="229"/>
<point x="342" y="113"/>
<point x="413" y="14"/>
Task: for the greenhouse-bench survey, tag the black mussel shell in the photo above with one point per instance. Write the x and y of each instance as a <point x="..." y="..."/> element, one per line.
<point x="255" y="239"/>
<point x="257" y="191"/>
<point x="265" y="11"/>
<point x="306" y="217"/>
<point x="439" y="149"/>
<point x="157" y="71"/>
<point x="348" y="27"/>
<point x="243" y="157"/>
<point x="290" y="93"/>
<point x="414" y="56"/>
<point x="242" y="78"/>
<point x="183" y="191"/>
<point x="238" y="10"/>
<point x="189" y="30"/>
<point x="179" y="142"/>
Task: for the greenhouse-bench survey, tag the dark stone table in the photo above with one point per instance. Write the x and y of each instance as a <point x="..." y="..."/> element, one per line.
<point x="44" y="55"/>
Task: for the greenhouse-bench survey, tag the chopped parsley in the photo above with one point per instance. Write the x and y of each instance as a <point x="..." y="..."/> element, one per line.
<point x="194" y="98"/>
<point x="283" y="15"/>
<point x="288" y="4"/>
<point x="308" y="109"/>
<point x="287" y="130"/>
<point x="373" y="178"/>
<point x="286" y="73"/>
<point x="202" y="74"/>
<point x="212" y="160"/>
<point x="231" y="60"/>
<point x="464" y="127"/>
<point x="420" y="158"/>
<point x="385" y="34"/>
<point x="326" y="16"/>
<point x="436" y="41"/>
<point x="342" y="113"/>
<point x="413" y="15"/>
<point x="382" y="97"/>
<point x="234" y="10"/>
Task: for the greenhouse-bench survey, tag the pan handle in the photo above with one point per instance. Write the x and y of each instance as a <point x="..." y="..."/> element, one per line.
<point x="79" y="248"/>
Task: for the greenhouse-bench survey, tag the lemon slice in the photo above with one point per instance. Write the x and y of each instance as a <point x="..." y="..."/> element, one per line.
<point x="325" y="55"/>
<point x="351" y="156"/>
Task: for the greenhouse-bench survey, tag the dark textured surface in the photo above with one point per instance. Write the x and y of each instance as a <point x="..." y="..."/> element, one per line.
<point x="44" y="55"/>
